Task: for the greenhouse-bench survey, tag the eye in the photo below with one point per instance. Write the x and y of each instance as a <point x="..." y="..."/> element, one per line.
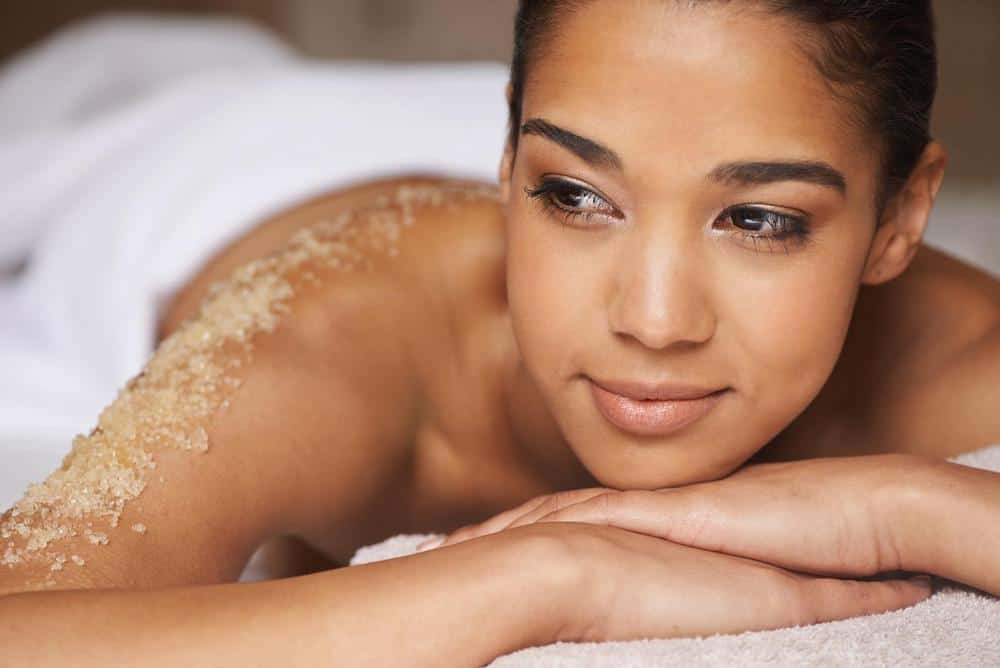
<point x="571" y="200"/>
<point x="756" y="224"/>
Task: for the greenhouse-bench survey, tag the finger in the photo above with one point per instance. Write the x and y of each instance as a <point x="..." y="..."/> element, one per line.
<point x="828" y="599"/>
<point x="505" y="519"/>
<point x="556" y="503"/>
<point x="679" y="516"/>
<point x="492" y="525"/>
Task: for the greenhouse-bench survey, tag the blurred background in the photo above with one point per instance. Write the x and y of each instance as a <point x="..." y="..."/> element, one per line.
<point x="433" y="30"/>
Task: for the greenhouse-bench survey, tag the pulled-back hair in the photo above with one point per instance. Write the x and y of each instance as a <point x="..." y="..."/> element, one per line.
<point x="880" y="55"/>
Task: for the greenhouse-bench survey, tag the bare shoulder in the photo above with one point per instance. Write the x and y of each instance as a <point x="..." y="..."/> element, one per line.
<point x="970" y="295"/>
<point x="402" y="269"/>
<point x="399" y="273"/>
<point x="453" y="215"/>
<point x="949" y="392"/>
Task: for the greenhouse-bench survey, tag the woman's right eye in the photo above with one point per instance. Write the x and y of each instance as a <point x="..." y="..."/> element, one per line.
<point x="570" y="200"/>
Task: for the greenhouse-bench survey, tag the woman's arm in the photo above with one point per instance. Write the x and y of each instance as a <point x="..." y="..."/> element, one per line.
<point x="949" y="514"/>
<point x="460" y="608"/>
<point x="949" y="524"/>
<point x="843" y="516"/>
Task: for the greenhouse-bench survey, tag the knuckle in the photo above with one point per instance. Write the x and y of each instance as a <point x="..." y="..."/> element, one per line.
<point x="614" y="502"/>
<point x="605" y="505"/>
<point x="617" y="500"/>
<point x="560" y="500"/>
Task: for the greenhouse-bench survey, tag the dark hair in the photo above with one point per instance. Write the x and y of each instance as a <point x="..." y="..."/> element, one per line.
<point x="878" y="54"/>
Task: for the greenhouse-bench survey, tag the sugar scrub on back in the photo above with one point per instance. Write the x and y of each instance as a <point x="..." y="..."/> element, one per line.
<point x="192" y="375"/>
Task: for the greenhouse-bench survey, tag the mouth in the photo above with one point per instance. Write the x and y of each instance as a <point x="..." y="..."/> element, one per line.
<point x="653" y="410"/>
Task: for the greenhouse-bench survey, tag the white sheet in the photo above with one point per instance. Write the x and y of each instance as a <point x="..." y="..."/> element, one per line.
<point x="120" y="207"/>
<point x="84" y="75"/>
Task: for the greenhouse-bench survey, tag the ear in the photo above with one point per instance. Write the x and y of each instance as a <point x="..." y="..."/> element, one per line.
<point x="507" y="161"/>
<point x="904" y="220"/>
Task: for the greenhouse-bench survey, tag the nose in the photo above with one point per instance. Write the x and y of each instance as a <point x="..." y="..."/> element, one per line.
<point x="661" y="293"/>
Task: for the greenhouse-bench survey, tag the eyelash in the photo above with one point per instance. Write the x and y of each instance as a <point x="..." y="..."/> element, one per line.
<point x="787" y="228"/>
<point x="550" y="188"/>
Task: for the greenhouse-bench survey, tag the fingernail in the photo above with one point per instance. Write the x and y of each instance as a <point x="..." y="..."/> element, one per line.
<point x="429" y="544"/>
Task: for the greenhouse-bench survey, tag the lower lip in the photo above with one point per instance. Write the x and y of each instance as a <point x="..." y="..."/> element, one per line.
<point x="652" y="417"/>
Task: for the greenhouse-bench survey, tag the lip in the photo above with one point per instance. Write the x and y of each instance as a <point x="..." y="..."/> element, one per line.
<point x="653" y="410"/>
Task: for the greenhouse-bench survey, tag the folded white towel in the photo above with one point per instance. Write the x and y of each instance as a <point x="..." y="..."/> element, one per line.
<point x="954" y="627"/>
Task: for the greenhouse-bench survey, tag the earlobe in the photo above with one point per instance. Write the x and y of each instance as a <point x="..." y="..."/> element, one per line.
<point x="904" y="221"/>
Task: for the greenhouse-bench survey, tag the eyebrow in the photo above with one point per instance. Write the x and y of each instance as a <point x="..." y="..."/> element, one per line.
<point x="587" y="149"/>
<point x="759" y="173"/>
<point x="745" y="173"/>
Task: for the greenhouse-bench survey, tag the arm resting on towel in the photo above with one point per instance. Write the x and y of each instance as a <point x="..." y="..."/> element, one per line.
<point x="456" y="608"/>
<point x="951" y="513"/>
<point x="951" y="526"/>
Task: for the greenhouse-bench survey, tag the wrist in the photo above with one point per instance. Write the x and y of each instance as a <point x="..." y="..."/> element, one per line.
<point x="468" y="602"/>
<point x="546" y="584"/>
<point x="913" y="514"/>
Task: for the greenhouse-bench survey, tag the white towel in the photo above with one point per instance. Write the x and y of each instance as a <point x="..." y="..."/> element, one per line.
<point x="954" y="627"/>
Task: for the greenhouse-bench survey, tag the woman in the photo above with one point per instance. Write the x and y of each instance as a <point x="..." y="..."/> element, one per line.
<point x="705" y="250"/>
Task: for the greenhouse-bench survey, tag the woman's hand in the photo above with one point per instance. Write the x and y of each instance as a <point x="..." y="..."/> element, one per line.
<point x="835" y="516"/>
<point x="627" y="586"/>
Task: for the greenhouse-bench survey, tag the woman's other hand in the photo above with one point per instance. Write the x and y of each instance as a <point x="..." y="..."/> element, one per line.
<point x="844" y="516"/>
<point x="628" y="586"/>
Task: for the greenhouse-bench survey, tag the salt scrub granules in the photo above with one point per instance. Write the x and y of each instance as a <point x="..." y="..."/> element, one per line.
<point x="192" y="375"/>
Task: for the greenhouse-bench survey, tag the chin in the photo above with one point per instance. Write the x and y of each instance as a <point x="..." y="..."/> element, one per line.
<point x="624" y="465"/>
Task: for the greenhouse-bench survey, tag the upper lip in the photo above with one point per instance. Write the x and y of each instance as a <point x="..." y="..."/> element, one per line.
<point x="667" y="391"/>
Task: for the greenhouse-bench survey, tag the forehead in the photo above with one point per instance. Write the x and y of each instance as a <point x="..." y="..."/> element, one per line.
<point x="667" y="85"/>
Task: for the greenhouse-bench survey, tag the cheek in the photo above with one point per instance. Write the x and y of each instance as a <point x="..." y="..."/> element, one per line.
<point x="549" y="298"/>
<point x="789" y="330"/>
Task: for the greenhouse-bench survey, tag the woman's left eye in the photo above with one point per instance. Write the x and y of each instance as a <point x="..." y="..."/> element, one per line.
<point x="570" y="200"/>
<point x="757" y="223"/>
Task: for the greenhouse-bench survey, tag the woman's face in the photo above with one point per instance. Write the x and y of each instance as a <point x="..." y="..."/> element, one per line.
<point x="689" y="213"/>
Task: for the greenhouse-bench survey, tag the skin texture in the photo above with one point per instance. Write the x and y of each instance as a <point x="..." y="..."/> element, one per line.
<point x="664" y="290"/>
<point x="841" y="516"/>
<point x="443" y="386"/>
<point x="900" y="383"/>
